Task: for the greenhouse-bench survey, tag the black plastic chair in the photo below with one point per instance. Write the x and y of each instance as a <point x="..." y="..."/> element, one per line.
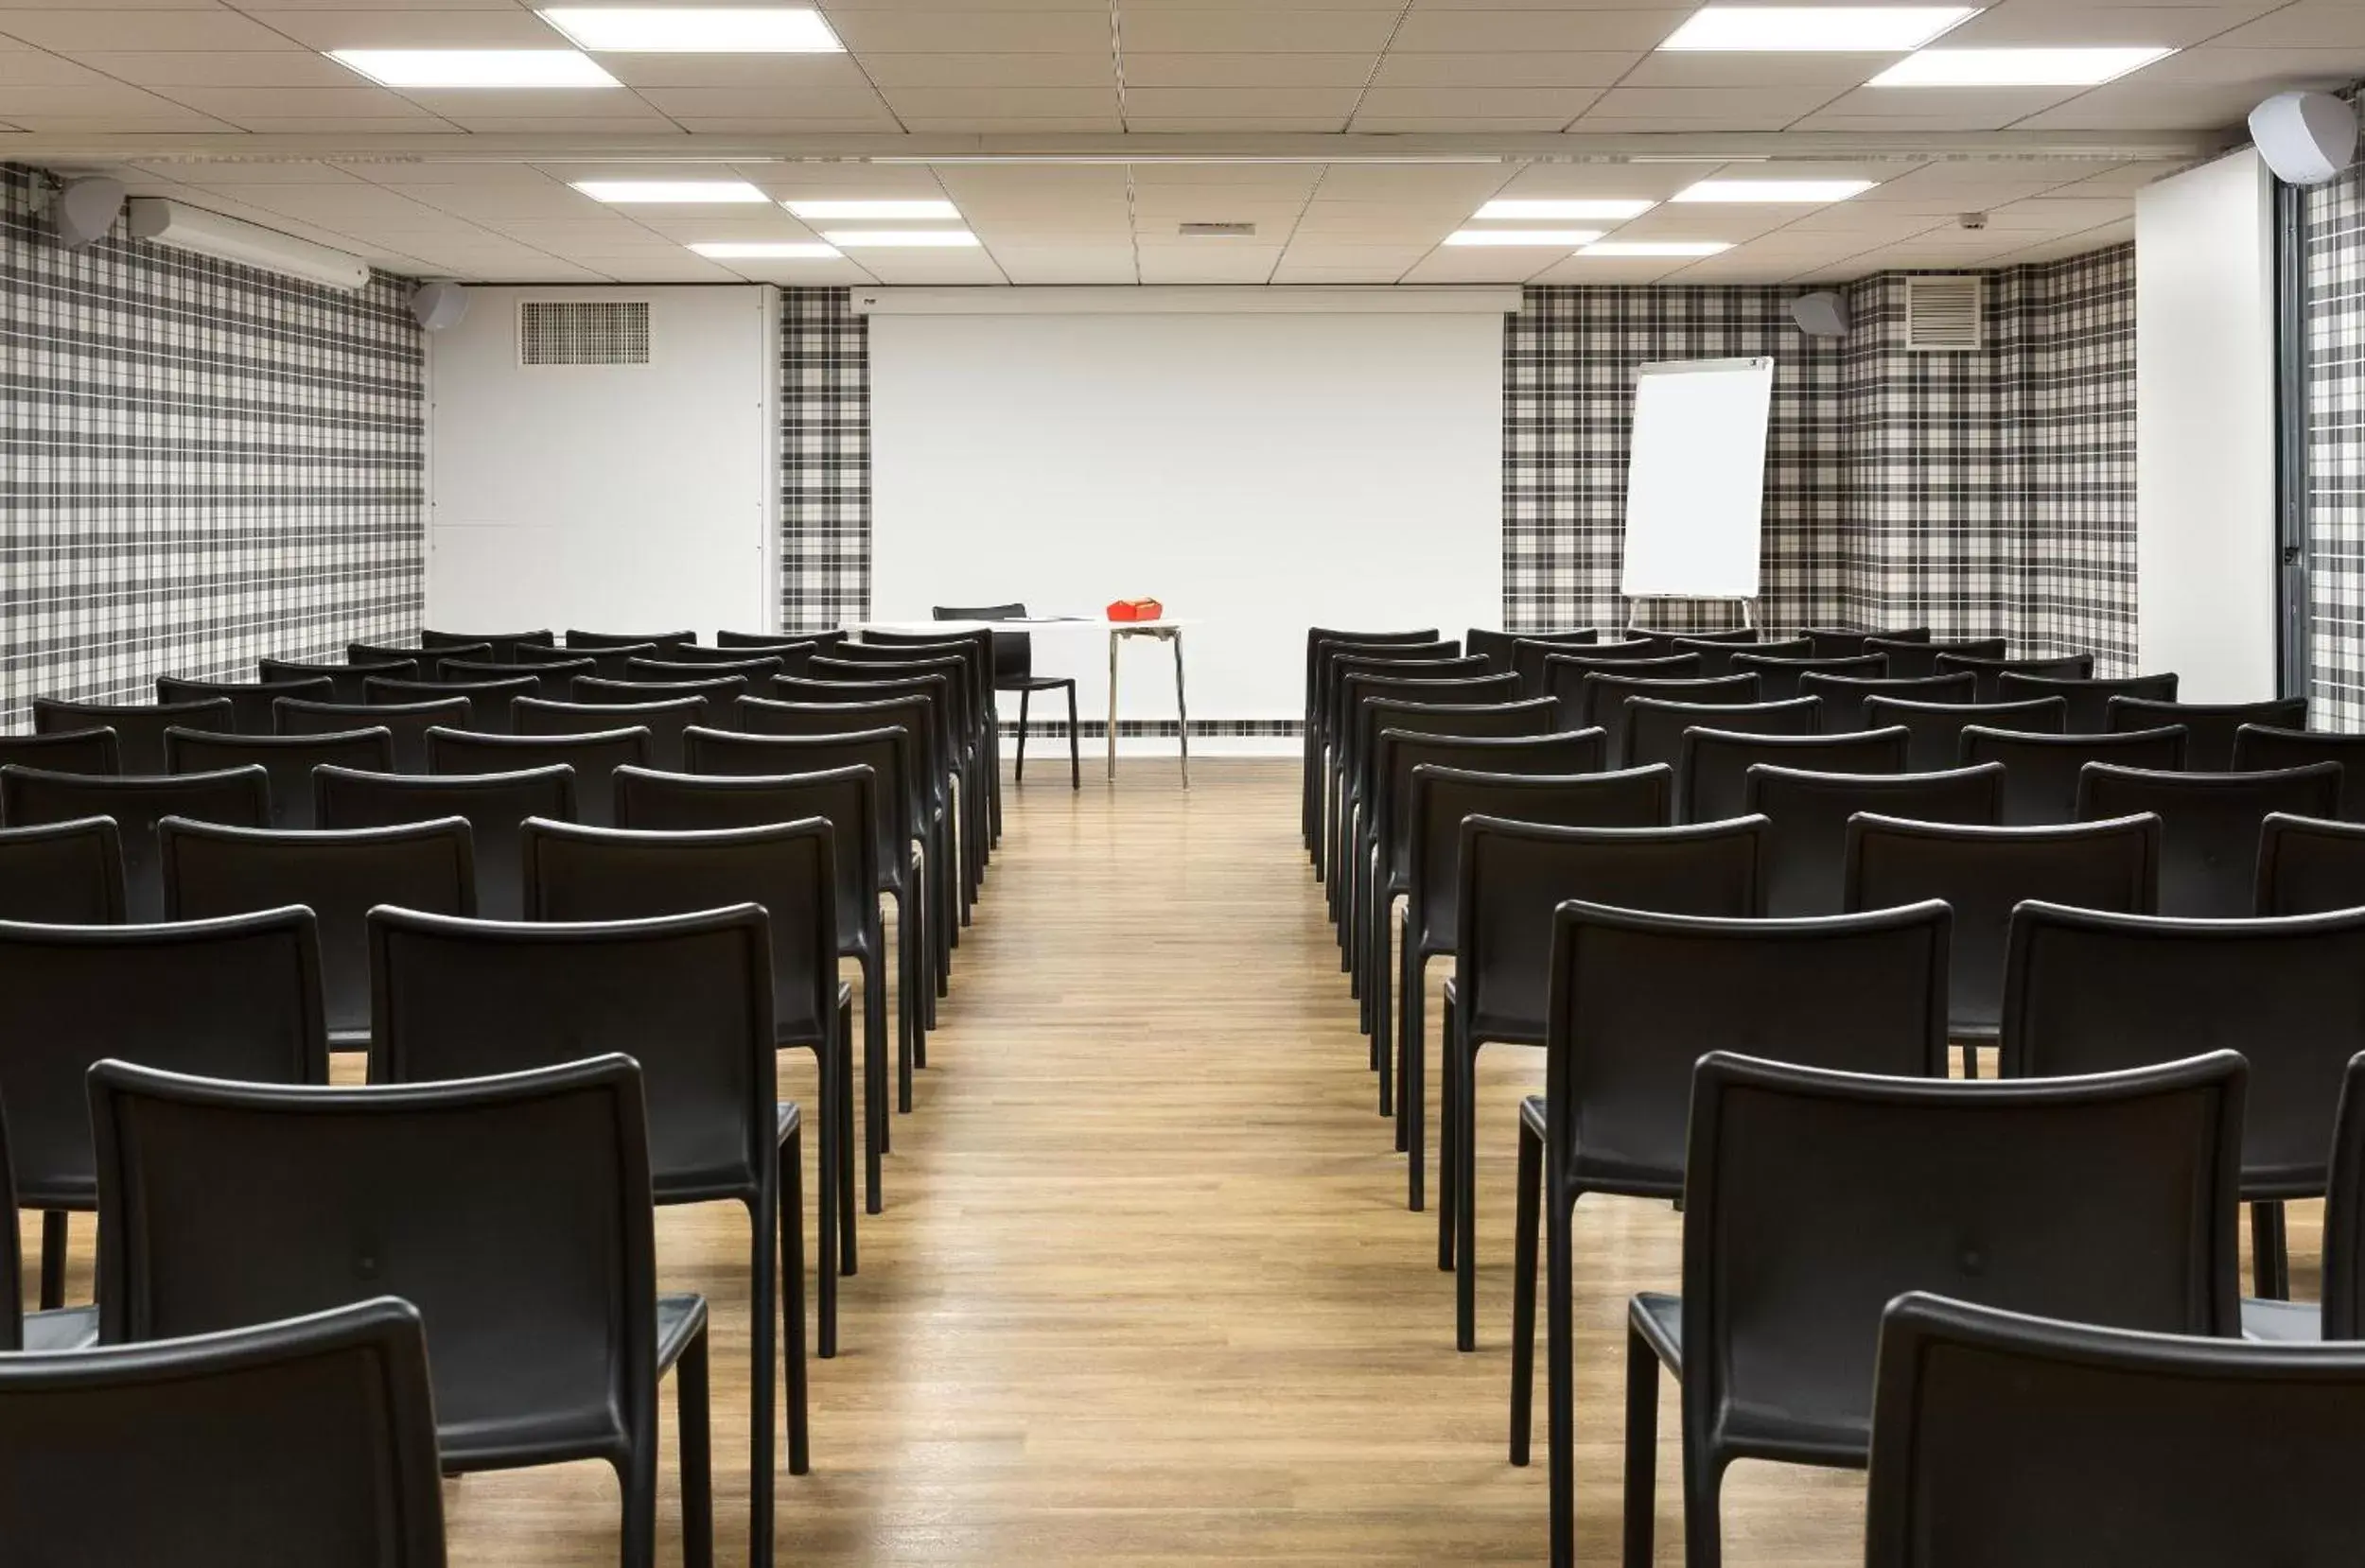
<point x="2089" y="700"/>
<point x="2341" y="1313"/>
<point x="786" y="658"/>
<point x="666" y="723"/>
<point x="2308" y="865"/>
<point x="422" y="660"/>
<point x="239" y="797"/>
<point x="344" y="680"/>
<point x="607" y="663"/>
<point x="1595" y="700"/>
<point x="250" y="700"/>
<point x="692" y="995"/>
<point x="1713" y="776"/>
<point x="2041" y="769"/>
<point x="82" y="751"/>
<point x="1845" y="696"/>
<point x="2001" y="1440"/>
<point x="1990" y="671"/>
<point x="1807" y="846"/>
<point x="211" y="871"/>
<point x="1633" y="997"/>
<point x="288" y="759"/>
<point x="1351" y="734"/>
<point x="67" y="873"/>
<point x="1402" y="661"/>
<point x="719" y="696"/>
<point x="407" y="723"/>
<point x="2090" y="992"/>
<point x="1495" y="647"/>
<point x="1778" y="677"/>
<point x="2209" y="824"/>
<point x="552" y="681"/>
<point x="503" y="646"/>
<point x="2043" y="1198"/>
<point x="2209" y="727"/>
<point x="595" y="757"/>
<point x="1014" y="670"/>
<point x="950" y="750"/>
<point x="1528" y="656"/>
<point x="577" y="638"/>
<point x="975" y="646"/>
<point x="772" y="639"/>
<point x="237" y="998"/>
<point x="1513" y="875"/>
<point x="1841" y="642"/>
<point x="1916" y="656"/>
<point x="514" y="1212"/>
<point x="2259" y="747"/>
<point x="1716" y="653"/>
<point x="754" y="672"/>
<point x="1933" y="731"/>
<point x="1322" y="645"/>
<point x="306" y="1441"/>
<point x="1984" y="873"/>
<point x="139" y="727"/>
<point x="488" y="701"/>
<point x="71" y="1329"/>
<point x="1561" y="675"/>
<point x="1652" y="730"/>
<point x="496" y="805"/>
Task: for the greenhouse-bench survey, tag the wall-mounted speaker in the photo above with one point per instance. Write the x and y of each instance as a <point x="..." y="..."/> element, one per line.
<point x="437" y="305"/>
<point x="2306" y="138"/>
<point x="86" y="209"/>
<point x="1822" y="314"/>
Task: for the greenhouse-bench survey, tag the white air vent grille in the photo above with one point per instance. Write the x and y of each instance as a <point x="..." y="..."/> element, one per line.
<point x="1943" y="313"/>
<point x="1216" y="231"/>
<point x="582" y="332"/>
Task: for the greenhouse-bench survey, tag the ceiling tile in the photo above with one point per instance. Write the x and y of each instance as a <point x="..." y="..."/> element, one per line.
<point x="219" y="67"/>
<point x="1290" y="68"/>
<point x="1455" y="30"/>
<point x="1938" y="108"/>
<point x="1068" y="264"/>
<point x="935" y="33"/>
<point x="1714" y="108"/>
<point x="1094" y="69"/>
<point x="1738" y="68"/>
<point x="82" y="28"/>
<point x="1263" y="30"/>
<point x="515" y="27"/>
<point x="1251" y="107"/>
<point x="784" y="73"/>
<point x="852" y="101"/>
<point x="2017" y="23"/>
<point x="1003" y="102"/>
<point x="1534" y="68"/>
<point x="1548" y="108"/>
<point x="2308" y="25"/>
<point x="1208" y="261"/>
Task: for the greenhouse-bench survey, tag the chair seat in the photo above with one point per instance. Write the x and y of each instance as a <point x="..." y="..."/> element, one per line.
<point x="66" y="1328"/>
<point x="805" y="1033"/>
<point x="788" y="1117"/>
<point x="1601" y="1173"/>
<point x="1658" y="1318"/>
<point x="2281" y="1322"/>
<point x="683" y="1319"/>
<point x="511" y="1441"/>
<point x="1032" y="683"/>
<point x="1750" y="1431"/>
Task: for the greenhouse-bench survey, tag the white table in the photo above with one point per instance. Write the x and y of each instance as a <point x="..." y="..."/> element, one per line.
<point x="1167" y="630"/>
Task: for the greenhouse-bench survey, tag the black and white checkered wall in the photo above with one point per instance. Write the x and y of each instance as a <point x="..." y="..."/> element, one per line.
<point x="204" y="464"/>
<point x="825" y="459"/>
<point x="2334" y="216"/>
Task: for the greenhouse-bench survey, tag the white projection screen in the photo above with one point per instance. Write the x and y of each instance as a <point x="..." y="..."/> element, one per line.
<point x="1696" y="480"/>
<point x="1258" y="473"/>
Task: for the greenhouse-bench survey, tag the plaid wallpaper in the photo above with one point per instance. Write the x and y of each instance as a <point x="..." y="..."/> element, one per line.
<point x="825" y="459"/>
<point x="2336" y="450"/>
<point x="204" y="464"/>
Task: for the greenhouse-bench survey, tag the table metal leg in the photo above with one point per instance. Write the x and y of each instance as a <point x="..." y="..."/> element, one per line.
<point x="1114" y="639"/>
<point x="1181" y="709"/>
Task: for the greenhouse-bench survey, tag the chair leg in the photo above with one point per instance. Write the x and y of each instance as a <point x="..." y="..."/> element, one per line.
<point x="907" y="962"/>
<point x="1373" y="942"/>
<point x="915" y="979"/>
<point x="764" y="1373"/>
<point x="793" y="1311"/>
<point x="844" y="1110"/>
<point x="53" y="1246"/>
<point x="1413" y="1067"/>
<point x="1560" y="1375"/>
<point x="1642" y="1491"/>
<point x="1022" y="697"/>
<point x="1704" y="1513"/>
<point x="1523" y="1294"/>
<point x="1465" y="1200"/>
<point x="874" y="1027"/>
<point x="692" y="1398"/>
<point x="1971" y="1061"/>
<point x="1448" y="1134"/>
<point x="2269" y="1261"/>
<point x="1074" y="746"/>
<point x="832" y="1086"/>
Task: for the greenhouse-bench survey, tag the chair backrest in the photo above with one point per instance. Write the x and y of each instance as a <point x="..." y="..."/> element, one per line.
<point x="578" y="638"/>
<point x="888" y="752"/>
<point x="422" y="660"/>
<point x="212" y="871"/>
<point x="1910" y="656"/>
<point x="1323" y="656"/>
<point x="1990" y="671"/>
<point x="2209" y="727"/>
<point x="2307" y="864"/>
<point x="773" y="639"/>
<point x="1336" y="667"/>
<point x="1716" y="653"/>
<point x="551" y="680"/>
<point x="407" y="723"/>
<point x="288" y="759"/>
<point x="2210" y="824"/>
<point x="1807" y="846"/>
<point x="1778" y="676"/>
<point x="1561" y="676"/>
<point x="939" y="729"/>
<point x="1496" y="647"/>
<point x="1515" y="874"/>
<point x="754" y="672"/>
<point x="344" y="680"/>
<point x="957" y="689"/>
<point x="1843" y="696"/>
<point x="2343" y="1314"/>
<point x="717" y="694"/>
<point x="2042" y="768"/>
<point x="1528" y="655"/>
<point x="1598" y="699"/>
<point x="785" y="658"/>
<point x="82" y="751"/>
<point x="488" y="701"/>
<point x="973" y="652"/>
<point x="1840" y="642"/>
<point x="250" y="700"/>
<point x="309" y="1441"/>
<point x="595" y="756"/>
<point x="239" y="797"/>
<point x="1933" y="731"/>
<point x="2257" y="747"/>
<point x="1712" y="778"/>
<point x="664" y="721"/>
<point x="2089" y="700"/>
<point x="1650" y="729"/>
<point x="1372" y="704"/>
<point x="495" y="804"/>
<point x="1480" y="748"/>
<point x="1813" y="1198"/>
<point x="235" y="998"/>
<point x="845" y="797"/>
<point x="1984" y="873"/>
<point x="561" y="665"/>
<point x="1636" y="998"/>
<point x="67" y="873"/>
<point x="921" y="775"/>
<point x="514" y="1212"/>
<point x="139" y="727"/>
<point x="2090" y="992"/>
<point x="1496" y="781"/>
<point x="503" y="646"/>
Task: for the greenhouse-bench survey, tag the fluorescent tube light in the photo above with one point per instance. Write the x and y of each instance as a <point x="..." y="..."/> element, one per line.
<point x="738" y="250"/>
<point x="909" y="238"/>
<point x="163" y="223"/>
<point x="1613" y="208"/>
<point x="774" y="30"/>
<point x="629" y="192"/>
<point x="2016" y="67"/>
<point x="429" y="68"/>
<point x="1564" y="239"/>
<point x="1836" y="30"/>
<point x="1657" y="248"/>
<point x="1801" y="192"/>
<point x="872" y="209"/>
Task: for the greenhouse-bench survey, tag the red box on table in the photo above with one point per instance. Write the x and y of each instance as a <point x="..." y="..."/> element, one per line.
<point x="1136" y="609"/>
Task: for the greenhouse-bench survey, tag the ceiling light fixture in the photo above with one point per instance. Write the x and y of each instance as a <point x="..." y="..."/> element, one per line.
<point x="910" y="238"/>
<point x="1615" y="208"/>
<point x="1836" y="30"/>
<point x="1564" y="239"/>
<point x="431" y="68"/>
<point x="736" y="250"/>
<point x="1657" y="248"/>
<point x="775" y="31"/>
<point x="2016" y="67"/>
<point x="628" y="192"/>
<point x="1783" y="192"/>
<point x="872" y="209"/>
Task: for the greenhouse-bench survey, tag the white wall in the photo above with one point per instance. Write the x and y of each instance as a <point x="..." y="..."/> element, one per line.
<point x="2205" y="536"/>
<point x="631" y="498"/>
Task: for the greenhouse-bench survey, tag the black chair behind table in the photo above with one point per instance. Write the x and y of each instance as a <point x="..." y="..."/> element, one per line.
<point x="513" y="1212"/>
<point x="1865" y="1188"/>
<point x="576" y="638"/>
<point x="83" y="751"/>
<point x="607" y="663"/>
<point x="344" y="680"/>
<point x="488" y="701"/>
<point x="1778" y="677"/>
<point x="1650" y="730"/>
<point x="1840" y="642"/>
<point x="237" y="998"/>
<point x="1990" y="671"/>
<point x="1920" y="656"/>
<point x="2307" y="864"/>
<point x="1514" y="876"/>
<point x="1594" y="699"/>
<point x="340" y="875"/>
<point x="1984" y="873"/>
<point x="1716" y="656"/>
<point x="1857" y="994"/>
<point x="2041" y="769"/>
<point x="1807" y="846"/>
<point x="139" y="727"/>
<point x="2340" y="1315"/>
<point x="551" y="680"/>
<point x="2089" y="700"/>
<point x="1713" y="775"/>
<point x="595" y="756"/>
<point x="2210" y="728"/>
<point x="847" y="799"/>
<point x="239" y="797"/>
<point x="1014" y="670"/>
<point x="692" y="995"/>
<point x="1933" y="731"/>
<point x="496" y="805"/>
<point x="502" y="647"/>
<point x="2090" y="992"/>
<point x="1346" y="733"/>
<point x="666" y="722"/>
<point x="2258" y="747"/>
<point x="288" y="759"/>
<point x="1496" y="647"/>
<point x="2001" y="1440"/>
<point x="1322" y="650"/>
<point x="405" y="723"/>
<point x="2209" y="824"/>
<point x="314" y="1442"/>
<point x="250" y="700"/>
<point x="1845" y="696"/>
<point x="719" y="696"/>
<point x="67" y="873"/>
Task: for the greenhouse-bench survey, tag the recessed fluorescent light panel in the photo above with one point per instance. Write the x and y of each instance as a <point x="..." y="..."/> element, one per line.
<point x="774" y="30"/>
<point x="907" y="238"/>
<point x="1562" y="240"/>
<point x="2016" y="67"/>
<point x="1783" y="192"/>
<point x="765" y="250"/>
<point x="1614" y="209"/>
<point x="632" y="192"/>
<point x="1657" y="248"/>
<point x="1835" y="29"/>
<point x="429" y="68"/>
<point x="872" y="209"/>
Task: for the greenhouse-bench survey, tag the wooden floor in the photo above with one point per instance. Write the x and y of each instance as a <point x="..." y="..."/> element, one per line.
<point x="1145" y="1291"/>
